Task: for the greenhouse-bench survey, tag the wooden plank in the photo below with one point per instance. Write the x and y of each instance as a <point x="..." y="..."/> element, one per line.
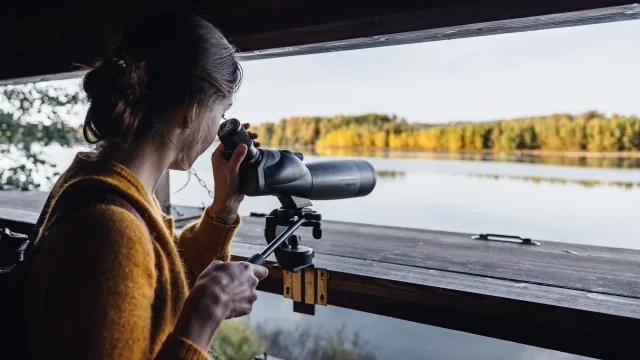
<point x="562" y="318"/>
<point x="565" y="319"/>
<point x="323" y="281"/>
<point x="596" y="269"/>
<point x="32" y="201"/>
<point x="310" y="285"/>
<point x="43" y="77"/>
<point x="296" y="284"/>
<point x="287" y="284"/>
<point x="26" y="205"/>
<point x="18" y="215"/>
<point x="417" y="27"/>
<point x="52" y="39"/>
<point x="541" y="294"/>
<point x="555" y="318"/>
<point x="163" y="193"/>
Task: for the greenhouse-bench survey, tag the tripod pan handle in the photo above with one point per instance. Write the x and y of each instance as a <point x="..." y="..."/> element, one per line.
<point x="256" y="259"/>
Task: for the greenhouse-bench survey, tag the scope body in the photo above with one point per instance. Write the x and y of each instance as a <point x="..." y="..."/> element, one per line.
<point x="283" y="172"/>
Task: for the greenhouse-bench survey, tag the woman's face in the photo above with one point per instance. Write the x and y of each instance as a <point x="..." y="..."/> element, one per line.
<point x="206" y="129"/>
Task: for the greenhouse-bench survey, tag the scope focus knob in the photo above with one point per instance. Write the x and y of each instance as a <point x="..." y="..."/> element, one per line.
<point x="317" y="232"/>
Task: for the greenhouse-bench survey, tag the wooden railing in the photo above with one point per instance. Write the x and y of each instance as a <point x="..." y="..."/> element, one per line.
<point x="536" y="295"/>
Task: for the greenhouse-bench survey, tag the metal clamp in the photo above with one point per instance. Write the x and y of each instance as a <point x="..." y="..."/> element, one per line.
<point x="307" y="288"/>
<point x="505" y="238"/>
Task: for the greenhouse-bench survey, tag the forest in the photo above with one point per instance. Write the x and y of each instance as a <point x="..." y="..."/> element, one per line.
<point x="590" y="131"/>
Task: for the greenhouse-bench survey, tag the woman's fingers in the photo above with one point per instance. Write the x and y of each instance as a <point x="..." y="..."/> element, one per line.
<point x="246" y="126"/>
<point x="218" y="149"/>
<point x="260" y="272"/>
<point x="216" y="157"/>
<point x="238" y="156"/>
<point x="234" y="283"/>
<point x="254" y="136"/>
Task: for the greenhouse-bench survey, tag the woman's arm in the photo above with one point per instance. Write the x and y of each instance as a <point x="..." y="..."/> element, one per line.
<point x="207" y="240"/>
<point x="101" y="306"/>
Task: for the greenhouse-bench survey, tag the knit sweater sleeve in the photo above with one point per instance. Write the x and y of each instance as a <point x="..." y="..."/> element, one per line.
<point x="205" y="241"/>
<point x="101" y="307"/>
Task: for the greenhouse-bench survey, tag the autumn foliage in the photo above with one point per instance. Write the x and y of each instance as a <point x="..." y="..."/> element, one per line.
<point x="591" y="131"/>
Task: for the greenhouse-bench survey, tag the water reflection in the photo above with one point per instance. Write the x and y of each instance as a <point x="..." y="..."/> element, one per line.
<point x="569" y="159"/>
<point x="540" y="180"/>
<point x="438" y="195"/>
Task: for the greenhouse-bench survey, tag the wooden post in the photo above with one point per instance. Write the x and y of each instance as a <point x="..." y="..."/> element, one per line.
<point x="163" y="193"/>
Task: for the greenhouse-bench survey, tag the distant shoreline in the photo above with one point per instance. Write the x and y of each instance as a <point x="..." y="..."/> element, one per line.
<point x="557" y="153"/>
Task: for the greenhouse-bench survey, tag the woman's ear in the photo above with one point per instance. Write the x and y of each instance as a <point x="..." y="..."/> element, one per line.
<point x="186" y="116"/>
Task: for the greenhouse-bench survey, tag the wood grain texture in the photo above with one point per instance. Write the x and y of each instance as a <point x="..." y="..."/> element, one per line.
<point x="321" y="289"/>
<point x="595" y="269"/>
<point x="602" y="270"/>
<point x="585" y="304"/>
<point x="42" y="40"/>
<point x="163" y="193"/>
<point x="561" y="319"/>
<point x="421" y="26"/>
<point x="309" y="286"/>
<point x="287" y="284"/>
<point x="297" y="285"/>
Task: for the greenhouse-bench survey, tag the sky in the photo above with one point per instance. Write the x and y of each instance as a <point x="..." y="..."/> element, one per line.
<point x="594" y="67"/>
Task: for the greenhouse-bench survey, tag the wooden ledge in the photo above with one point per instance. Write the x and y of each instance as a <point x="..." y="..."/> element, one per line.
<point x="587" y="304"/>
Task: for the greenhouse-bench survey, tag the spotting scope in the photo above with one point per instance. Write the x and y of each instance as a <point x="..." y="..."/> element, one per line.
<point x="282" y="173"/>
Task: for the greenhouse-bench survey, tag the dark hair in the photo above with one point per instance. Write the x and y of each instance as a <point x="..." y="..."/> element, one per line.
<point x="162" y="62"/>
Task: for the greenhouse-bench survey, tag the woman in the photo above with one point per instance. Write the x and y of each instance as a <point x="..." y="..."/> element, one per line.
<point x="114" y="281"/>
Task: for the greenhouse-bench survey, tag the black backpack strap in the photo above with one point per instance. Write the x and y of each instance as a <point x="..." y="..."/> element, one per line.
<point x="13" y="247"/>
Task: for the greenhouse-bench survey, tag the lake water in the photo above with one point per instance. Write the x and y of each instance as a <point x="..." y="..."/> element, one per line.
<point x="575" y="203"/>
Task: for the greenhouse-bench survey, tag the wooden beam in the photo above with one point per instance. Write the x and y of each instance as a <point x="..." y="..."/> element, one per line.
<point x="594" y="269"/>
<point x="393" y="27"/>
<point x="44" y="77"/>
<point x="451" y="301"/>
<point x="448" y="281"/>
<point x="163" y="193"/>
<point x="51" y="39"/>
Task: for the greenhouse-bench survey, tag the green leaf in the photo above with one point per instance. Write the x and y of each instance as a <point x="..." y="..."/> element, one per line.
<point x="21" y="128"/>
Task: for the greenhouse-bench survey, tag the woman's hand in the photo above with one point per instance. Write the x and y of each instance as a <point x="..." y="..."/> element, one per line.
<point x="225" y="176"/>
<point x="223" y="290"/>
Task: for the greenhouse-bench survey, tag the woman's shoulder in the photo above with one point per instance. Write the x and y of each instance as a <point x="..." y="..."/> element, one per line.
<point x="99" y="233"/>
<point x="103" y="220"/>
<point x="116" y="220"/>
<point x="100" y="243"/>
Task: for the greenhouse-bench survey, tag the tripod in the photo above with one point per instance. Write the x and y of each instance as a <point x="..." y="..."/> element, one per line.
<point x="294" y="213"/>
<point x="302" y="281"/>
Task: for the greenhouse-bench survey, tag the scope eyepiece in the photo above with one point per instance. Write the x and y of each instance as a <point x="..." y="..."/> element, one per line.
<point x="232" y="133"/>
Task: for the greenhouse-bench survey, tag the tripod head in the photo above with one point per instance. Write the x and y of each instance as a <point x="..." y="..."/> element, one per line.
<point x="279" y="227"/>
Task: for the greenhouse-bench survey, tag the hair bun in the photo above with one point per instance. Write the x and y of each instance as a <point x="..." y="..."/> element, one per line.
<point x="114" y="87"/>
<point x="114" y="77"/>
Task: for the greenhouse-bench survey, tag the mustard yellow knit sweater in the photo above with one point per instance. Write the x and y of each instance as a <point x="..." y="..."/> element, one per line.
<point x="105" y="285"/>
